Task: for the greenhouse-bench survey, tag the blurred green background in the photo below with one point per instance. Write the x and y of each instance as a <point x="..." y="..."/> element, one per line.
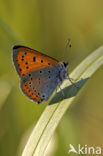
<point x="45" y="26"/>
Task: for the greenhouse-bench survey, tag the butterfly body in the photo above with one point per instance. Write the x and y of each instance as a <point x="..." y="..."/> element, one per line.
<point x="40" y="74"/>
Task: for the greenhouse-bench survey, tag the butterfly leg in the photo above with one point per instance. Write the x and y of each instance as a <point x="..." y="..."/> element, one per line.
<point x="62" y="91"/>
<point x="71" y="80"/>
<point x="59" y="84"/>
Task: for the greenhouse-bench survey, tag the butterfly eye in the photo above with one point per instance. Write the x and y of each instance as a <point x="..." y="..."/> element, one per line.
<point x="65" y="64"/>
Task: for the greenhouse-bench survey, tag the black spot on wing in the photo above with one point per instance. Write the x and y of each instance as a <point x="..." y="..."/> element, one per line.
<point x="41" y="61"/>
<point x="27" y="67"/>
<point x="29" y="74"/>
<point x="34" y="59"/>
<point x="26" y="63"/>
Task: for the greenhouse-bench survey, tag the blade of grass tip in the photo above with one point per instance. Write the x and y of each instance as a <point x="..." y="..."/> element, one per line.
<point x="45" y="127"/>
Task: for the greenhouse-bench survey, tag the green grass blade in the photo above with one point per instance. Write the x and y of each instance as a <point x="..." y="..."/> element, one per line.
<point x="6" y="31"/>
<point x="49" y="120"/>
<point x="5" y="90"/>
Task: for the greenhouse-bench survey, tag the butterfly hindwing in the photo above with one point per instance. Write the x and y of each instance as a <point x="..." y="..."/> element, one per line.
<point x="26" y="60"/>
<point x="39" y="84"/>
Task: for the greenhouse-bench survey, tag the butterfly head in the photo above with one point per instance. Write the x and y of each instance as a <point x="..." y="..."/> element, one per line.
<point x="64" y="71"/>
<point x="65" y="64"/>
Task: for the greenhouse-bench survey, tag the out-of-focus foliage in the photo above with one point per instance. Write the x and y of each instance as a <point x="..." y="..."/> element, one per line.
<point x="45" y="26"/>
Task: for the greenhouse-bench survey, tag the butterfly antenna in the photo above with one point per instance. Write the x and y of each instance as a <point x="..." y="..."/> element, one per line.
<point x="68" y="44"/>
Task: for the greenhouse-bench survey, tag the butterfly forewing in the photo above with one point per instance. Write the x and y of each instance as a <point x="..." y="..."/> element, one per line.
<point x="26" y="60"/>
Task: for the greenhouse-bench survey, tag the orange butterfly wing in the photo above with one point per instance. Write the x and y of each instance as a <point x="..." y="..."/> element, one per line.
<point x="30" y="95"/>
<point x="26" y="59"/>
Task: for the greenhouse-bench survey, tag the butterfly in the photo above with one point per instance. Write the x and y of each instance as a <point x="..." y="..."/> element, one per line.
<point x="39" y="74"/>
